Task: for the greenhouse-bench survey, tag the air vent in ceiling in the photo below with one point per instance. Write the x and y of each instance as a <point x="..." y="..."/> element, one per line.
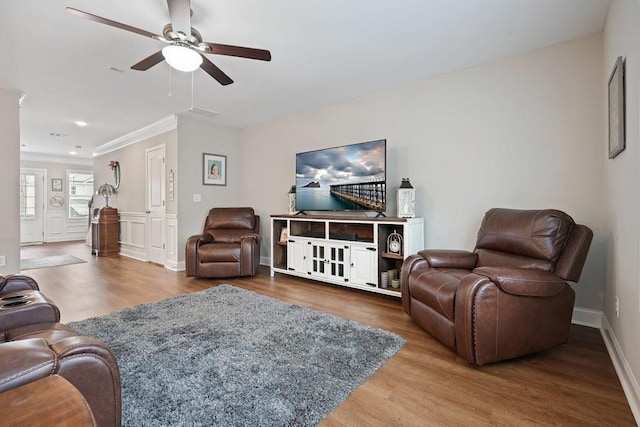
<point x="202" y="112"/>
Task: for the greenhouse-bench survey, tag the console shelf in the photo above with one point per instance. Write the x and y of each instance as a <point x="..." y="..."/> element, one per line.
<point x="342" y="250"/>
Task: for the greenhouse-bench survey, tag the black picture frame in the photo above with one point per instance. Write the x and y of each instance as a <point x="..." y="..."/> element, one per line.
<point x="616" y="102"/>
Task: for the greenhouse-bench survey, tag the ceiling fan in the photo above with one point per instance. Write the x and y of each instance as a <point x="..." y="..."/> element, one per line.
<point x="185" y="48"/>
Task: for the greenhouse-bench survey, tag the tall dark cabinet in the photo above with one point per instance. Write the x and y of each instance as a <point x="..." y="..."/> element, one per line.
<point x="105" y="232"/>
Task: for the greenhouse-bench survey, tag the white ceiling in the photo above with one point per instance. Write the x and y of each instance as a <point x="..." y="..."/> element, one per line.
<point x="324" y="51"/>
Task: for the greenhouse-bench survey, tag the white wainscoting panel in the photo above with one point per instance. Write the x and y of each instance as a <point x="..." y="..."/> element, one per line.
<point x="60" y="229"/>
<point x="171" y="248"/>
<point x="133" y="229"/>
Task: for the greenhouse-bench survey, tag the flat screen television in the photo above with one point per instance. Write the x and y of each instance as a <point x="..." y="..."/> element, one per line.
<point x="347" y="178"/>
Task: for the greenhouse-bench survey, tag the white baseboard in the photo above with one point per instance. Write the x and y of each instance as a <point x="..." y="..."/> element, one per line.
<point x="66" y="238"/>
<point x="587" y="317"/>
<point x="133" y="252"/>
<point x="133" y="256"/>
<point x="625" y="374"/>
<point x="180" y="266"/>
<point x="597" y="319"/>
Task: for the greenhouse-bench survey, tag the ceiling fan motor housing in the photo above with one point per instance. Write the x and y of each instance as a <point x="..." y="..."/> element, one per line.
<point x="193" y="40"/>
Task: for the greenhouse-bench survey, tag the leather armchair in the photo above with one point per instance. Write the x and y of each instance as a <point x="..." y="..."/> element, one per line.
<point x="22" y="304"/>
<point x="229" y="245"/>
<point x="34" y="352"/>
<point x="17" y="282"/>
<point x="509" y="297"/>
<point x="33" y="345"/>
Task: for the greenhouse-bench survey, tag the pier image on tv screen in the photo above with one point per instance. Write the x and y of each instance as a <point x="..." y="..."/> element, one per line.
<point x="350" y="177"/>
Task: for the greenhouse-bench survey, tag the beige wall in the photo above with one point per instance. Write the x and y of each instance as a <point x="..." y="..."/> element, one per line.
<point x="524" y="132"/>
<point x="56" y="171"/>
<point x="10" y="178"/>
<point x="196" y="137"/>
<point x="131" y="196"/>
<point x="184" y="149"/>
<point x="622" y="181"/>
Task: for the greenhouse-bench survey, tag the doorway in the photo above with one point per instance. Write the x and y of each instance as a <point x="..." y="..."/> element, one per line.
<point x="155" y="158"/>
<point x="32" y="206"/>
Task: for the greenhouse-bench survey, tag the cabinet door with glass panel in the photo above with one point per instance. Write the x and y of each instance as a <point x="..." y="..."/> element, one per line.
<point x="328" y="260"/>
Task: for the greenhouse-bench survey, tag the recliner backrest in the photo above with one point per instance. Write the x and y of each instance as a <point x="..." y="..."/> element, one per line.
<point x="523" y="238"/>
<point x="230" y="224"/>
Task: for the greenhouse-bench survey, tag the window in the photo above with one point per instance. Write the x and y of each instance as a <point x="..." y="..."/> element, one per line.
<point x="80" y="193"/>
<point x="27" y="196"/>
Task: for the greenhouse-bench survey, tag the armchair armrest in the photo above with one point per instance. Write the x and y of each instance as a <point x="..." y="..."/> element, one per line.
<point x="17" y="282"/>
<point x="199" y="239"/>
<point x="444" y="258"/>
<point x="91" y="367"/>
<point x="250" y="253"/>
<point x="85" y="362"/>
<point x="22" y="308"/>
<point x="529" y="282"/>
<point x="25" y="361"/>
<point x="191" y="252"/>
<point x="250" y="236"/>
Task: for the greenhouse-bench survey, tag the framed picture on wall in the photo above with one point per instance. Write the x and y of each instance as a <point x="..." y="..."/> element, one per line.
<point x="616" y="109"/>
<point x="56" y="184"/>
<point x="214" y="169"/>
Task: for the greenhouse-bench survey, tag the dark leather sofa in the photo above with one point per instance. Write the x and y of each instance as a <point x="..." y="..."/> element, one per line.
<point x="229" y="245"/>
<point x="507" y="298"/>
<point x="34" y="345"/>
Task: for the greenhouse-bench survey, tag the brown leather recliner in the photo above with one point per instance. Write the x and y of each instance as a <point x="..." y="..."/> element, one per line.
<point x="17" y="282"/>
<point x="33" y="345"/>
<point x="229" y="246"/>
<point x="507" y="298"/>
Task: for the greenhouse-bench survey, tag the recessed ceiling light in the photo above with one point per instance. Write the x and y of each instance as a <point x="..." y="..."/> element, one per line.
<point x="73" y="153"/>
<point x="81" y="123"/>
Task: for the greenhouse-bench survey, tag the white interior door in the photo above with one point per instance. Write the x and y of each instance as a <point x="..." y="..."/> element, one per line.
<point x="156" y="205"/>
<point x="32" y="192"/>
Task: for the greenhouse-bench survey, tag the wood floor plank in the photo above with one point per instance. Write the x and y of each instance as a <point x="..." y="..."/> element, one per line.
<point x="425" y="383"/>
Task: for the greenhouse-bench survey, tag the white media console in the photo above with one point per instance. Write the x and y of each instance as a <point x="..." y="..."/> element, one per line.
<point x="342" y="250"/>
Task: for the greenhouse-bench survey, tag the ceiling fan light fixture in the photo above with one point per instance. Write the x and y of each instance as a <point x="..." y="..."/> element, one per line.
<point x="182" y="58"/>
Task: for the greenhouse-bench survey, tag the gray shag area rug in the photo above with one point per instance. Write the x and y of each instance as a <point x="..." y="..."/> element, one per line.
<point x="231" y="357"/>
<point x="49" y="261"/>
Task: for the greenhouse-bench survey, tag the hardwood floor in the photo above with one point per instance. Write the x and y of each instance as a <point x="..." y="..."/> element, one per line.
<point x="425" y="383"/>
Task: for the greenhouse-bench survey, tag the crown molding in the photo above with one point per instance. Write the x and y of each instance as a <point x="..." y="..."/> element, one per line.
<point x="157" y="128"/>
<point x="48" y="158"/>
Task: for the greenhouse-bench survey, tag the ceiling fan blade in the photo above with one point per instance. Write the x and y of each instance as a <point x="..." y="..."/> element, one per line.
<point x="215" y="72"/>
<point x="149" y="62"/>
<point x="180" y="13"/>
<point x="111" y="23"/>
<point x="243" y="52"/>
